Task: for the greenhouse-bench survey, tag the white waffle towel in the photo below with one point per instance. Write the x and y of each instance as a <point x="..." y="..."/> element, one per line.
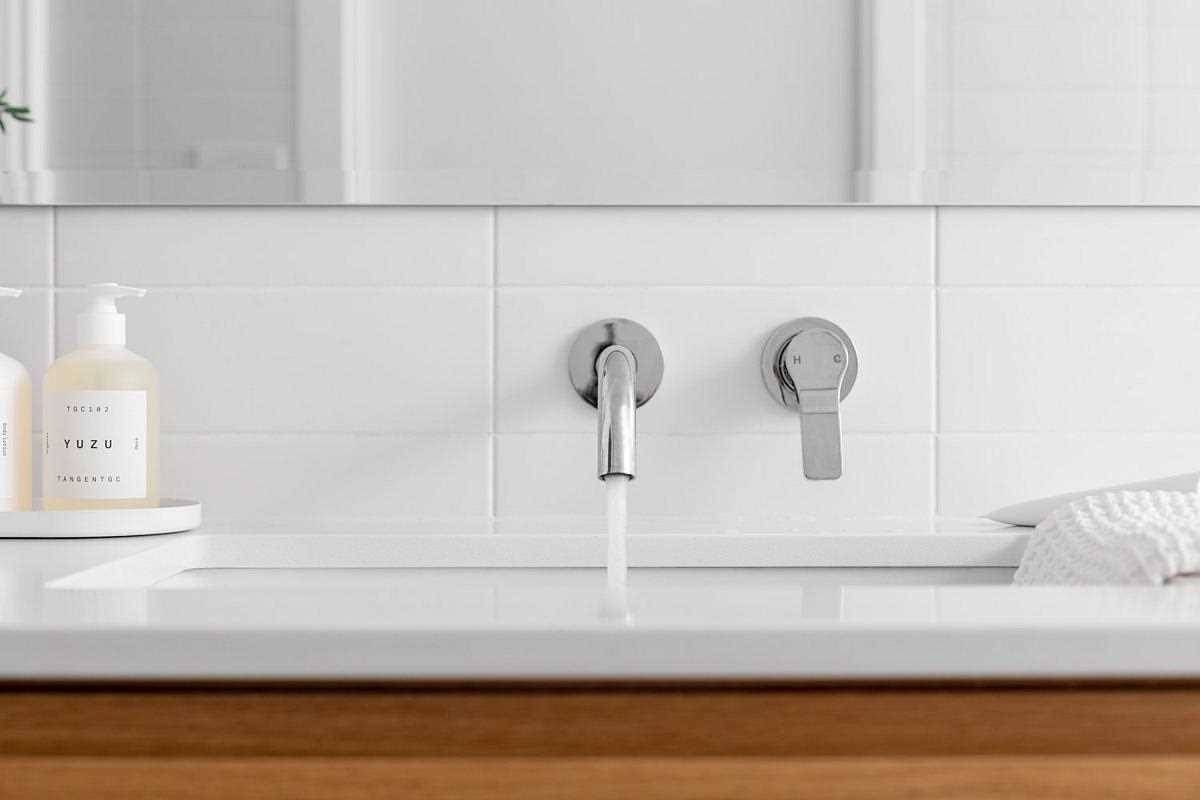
<point x="1143" y="538"/>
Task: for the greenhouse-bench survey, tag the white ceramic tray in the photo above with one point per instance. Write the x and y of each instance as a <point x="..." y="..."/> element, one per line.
<point x="171" y="516"/>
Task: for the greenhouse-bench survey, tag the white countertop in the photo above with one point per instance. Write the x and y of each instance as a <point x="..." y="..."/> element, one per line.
<point x="254" y="600"/>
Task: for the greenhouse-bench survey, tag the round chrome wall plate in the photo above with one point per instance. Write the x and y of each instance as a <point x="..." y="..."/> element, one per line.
<point x="773" y="374"/>
<point x="581" y="364"/>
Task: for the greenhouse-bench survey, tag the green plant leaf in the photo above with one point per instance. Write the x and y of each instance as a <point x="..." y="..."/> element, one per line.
<point x="19" y="113"/>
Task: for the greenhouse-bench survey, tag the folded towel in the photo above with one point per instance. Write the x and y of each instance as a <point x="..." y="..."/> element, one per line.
<point x="1116" y="538"/>
<point x="1032" y="512"/>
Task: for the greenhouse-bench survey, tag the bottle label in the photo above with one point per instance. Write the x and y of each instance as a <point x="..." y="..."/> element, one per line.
<point x="8" y="445"/>
<point x="96" y="445"/>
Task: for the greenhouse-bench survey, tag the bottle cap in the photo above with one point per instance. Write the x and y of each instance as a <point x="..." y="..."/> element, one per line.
<point x="100" y="323"/>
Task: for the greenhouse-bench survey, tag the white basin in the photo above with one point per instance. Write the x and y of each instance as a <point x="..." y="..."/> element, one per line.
<point x="542" y="597"/>
<point x="677" y="580"/>
<point x="357" y="581"/>
<point x="931" y="603"/>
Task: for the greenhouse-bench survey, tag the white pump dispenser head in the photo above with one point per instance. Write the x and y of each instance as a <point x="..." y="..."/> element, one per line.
<point x="100" y="323"/>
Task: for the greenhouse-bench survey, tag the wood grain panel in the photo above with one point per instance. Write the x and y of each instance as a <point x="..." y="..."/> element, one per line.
<point x="660" y="722"/>
<point x="1047" y="778"/>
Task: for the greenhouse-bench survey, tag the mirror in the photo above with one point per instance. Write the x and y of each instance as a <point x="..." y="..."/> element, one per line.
<point x="600" y="101"/>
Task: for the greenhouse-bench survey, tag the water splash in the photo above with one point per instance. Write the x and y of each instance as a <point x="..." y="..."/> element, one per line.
<point x="616" y="591"/>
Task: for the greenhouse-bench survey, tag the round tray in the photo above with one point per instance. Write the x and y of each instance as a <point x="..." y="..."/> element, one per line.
<point x="170" y="516"/>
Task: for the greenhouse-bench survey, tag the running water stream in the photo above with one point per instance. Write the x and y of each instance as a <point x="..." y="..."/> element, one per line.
<point x="616" y="590"/>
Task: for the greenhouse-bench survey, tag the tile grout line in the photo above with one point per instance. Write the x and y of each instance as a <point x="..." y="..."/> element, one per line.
<point x="494" y="368"/>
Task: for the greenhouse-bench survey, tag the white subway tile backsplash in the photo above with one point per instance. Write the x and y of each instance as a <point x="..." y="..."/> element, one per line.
<point x="396" y="360"/>
<point x="715" y="246"/>
<point x="274" y="246"/>
<point x="711" y="341"/>
<point x="981" y="472"/>
<point x="1069" y="360"/>
<point x="26" y="246"/>
<point x="331" y="476"/>
<point x="1106" y="246"/>
<point x="699" y="476"/>
<point x="361" y="361"/>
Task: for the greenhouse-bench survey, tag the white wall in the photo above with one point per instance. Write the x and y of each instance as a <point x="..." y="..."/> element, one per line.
<point x="168" y="85"/>
<point x="399" y="362"/>
<point x="1063" y="100"/>
<point x="930" y="100"/>
<point x="597" y="100"/>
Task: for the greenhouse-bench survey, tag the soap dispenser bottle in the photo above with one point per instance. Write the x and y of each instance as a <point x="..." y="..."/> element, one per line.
<point x="16" y="431"/>
<point x="100" y="415"/>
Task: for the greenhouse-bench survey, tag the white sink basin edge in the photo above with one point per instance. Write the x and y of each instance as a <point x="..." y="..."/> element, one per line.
<point x="239" y="603"/>
<point x="239" y="550"/>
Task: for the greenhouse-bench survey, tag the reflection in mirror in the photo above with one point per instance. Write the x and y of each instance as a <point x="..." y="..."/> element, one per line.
<point x="601" y="101"/>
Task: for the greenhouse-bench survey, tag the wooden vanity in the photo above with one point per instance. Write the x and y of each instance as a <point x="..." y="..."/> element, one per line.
<point x="616" y="740"/>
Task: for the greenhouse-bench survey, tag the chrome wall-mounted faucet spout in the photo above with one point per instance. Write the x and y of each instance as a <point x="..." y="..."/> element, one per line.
<point x="616" y="366"/>
<point x="809" y="365"/>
